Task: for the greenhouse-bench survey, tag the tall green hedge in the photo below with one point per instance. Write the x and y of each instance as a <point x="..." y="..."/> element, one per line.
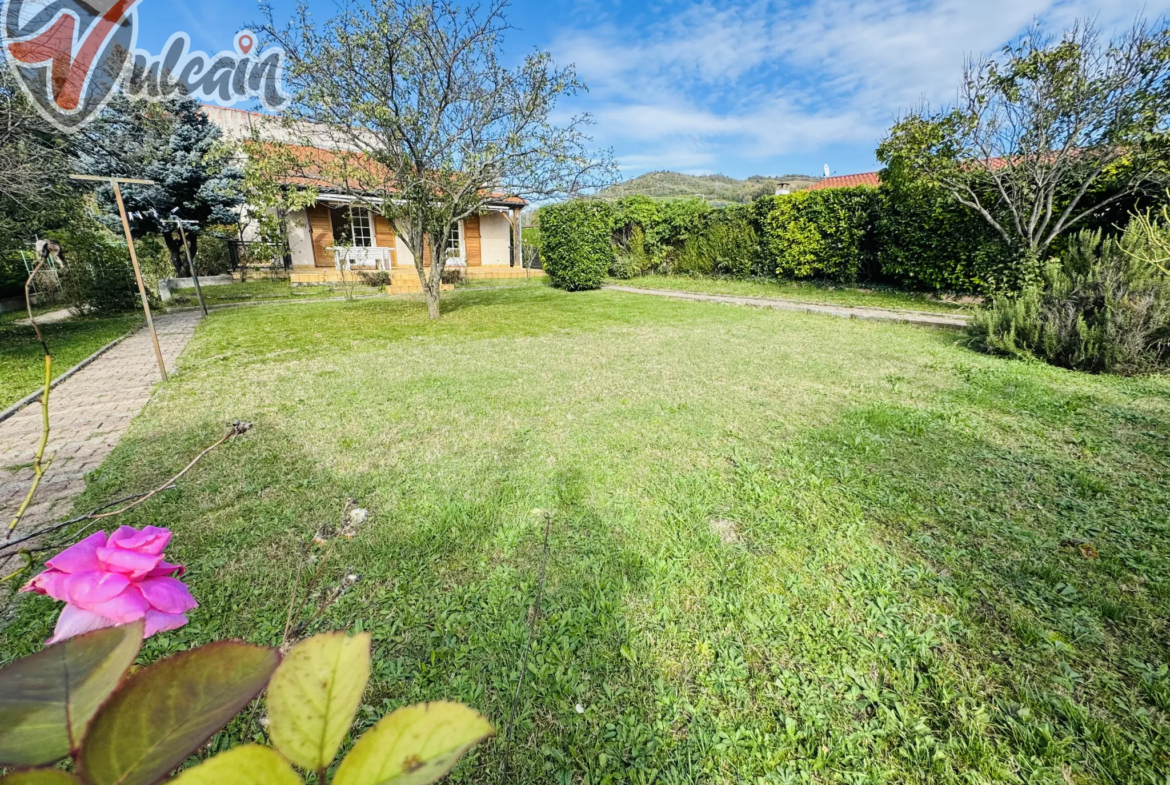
<point x="821" y="234"/>
<point x="927" y="240"/>
<point x="576" y="248"/>
<point x="902" y="233"/>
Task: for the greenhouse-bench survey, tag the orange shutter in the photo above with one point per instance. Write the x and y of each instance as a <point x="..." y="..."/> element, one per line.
<point x="321" y="230"/>
<point x="473" y="250"/>
<point x="384" y="235"/>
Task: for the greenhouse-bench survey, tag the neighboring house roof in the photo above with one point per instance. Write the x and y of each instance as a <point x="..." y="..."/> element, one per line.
<point x="847" y="181"/>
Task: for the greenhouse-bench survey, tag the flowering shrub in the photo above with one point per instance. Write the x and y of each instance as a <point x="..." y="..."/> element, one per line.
<point x="112" y="580"/>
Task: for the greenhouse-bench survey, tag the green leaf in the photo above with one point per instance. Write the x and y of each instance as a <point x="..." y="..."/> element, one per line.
<point x="40" y="777"/>
<point x="47" y="698"/>
<point x="165" y="712"/>
<point x="250" y="764"/>
<point x="314" y="695"/>
<point x="413" y="746"/>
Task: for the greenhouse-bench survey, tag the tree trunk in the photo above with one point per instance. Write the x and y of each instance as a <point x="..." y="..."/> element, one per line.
<point x="434" y="286"/>
<point x="433" y="295"/>
<point x="178" y="256"/>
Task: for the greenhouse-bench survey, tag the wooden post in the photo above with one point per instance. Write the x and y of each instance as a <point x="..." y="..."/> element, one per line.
<point x="517" y="239"/>
<point x="191" y="264"/>
<point x="162" y="368"/>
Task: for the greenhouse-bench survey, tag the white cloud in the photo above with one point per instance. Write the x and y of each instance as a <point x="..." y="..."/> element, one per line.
<point x="760" y="80"/>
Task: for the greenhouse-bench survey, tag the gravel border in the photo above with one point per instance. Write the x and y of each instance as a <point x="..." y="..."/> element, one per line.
<point x="924" y="318"/>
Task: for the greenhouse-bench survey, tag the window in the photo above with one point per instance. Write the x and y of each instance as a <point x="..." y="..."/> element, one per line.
<point x="454" y="250"/>
<point x="362" y="227"/>
<point x="353" y="226"/>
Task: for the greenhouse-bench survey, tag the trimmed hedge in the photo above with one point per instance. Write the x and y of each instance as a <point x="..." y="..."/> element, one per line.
<point x="905" y="234"/>
<point x="821" y="234"/>
<point x="576" y="249"/>
<point x="725" y="243"/>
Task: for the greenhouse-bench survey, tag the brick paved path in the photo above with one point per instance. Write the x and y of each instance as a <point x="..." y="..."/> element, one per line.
<point x="88" y="413"/>
<point x="952" y="321"/>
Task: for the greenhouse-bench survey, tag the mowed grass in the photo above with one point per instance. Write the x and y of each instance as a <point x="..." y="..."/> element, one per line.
<point x="260" y="291"/>
<point x="22" y="368"/>
<point x="785" y="548"/>
<point x="803" y="291"/>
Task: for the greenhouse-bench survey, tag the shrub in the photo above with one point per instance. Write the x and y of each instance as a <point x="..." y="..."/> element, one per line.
<point x="1100" y="309"/>
<point x="456" y="274"/>
<point x="727" y="244"/>
<point x="821" y="234"/>
<point x="633" y="259"/>
<point x="98" y="276"/>
<point x="927" y="240"/>
<point x="575" y="243"/>
<point x="634" y="212"/>
<point x="380" y="278"/>
<point x="12" y="275"/>
<point x="678" y="221"/>
<point x="212" y="256"/>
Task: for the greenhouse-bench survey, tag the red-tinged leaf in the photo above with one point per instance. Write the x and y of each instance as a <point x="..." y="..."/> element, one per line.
<point x="163" y="713"/>
<point x="47" y="698"/>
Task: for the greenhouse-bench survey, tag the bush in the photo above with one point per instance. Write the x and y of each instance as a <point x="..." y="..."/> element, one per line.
<point x="1100" y="310"/>
<point x="379" y="278"/>
<point x="12" y="276"/>
<point x="927" y="240"/>
<point x="821" y="234"/>
<point x="632" y="259"/>
<point x="98" y="277"/>
<point x="727" y="244"/>
<point x="212" y="256"/>
<point x="455" y="274"/>
<point x="575" y="243"/>
<point x="677" y="221"/>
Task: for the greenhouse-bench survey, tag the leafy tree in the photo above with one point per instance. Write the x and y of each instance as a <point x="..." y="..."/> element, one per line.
<point x="174" y="144"/>
<point x="35" y="192"/>
<point x="425" y="121"/>
<point x="1039" y="131"/>
<point x="269" y="198"/>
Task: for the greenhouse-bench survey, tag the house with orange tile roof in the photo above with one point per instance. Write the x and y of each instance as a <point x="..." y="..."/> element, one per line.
<point x="341" y="233"/>
<point x="847" y="181"/>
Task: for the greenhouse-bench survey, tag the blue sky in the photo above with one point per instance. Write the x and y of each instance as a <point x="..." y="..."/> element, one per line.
<point x="739" y="88"/>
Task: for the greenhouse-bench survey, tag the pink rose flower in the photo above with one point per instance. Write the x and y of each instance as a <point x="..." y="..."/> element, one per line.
<point x="108" y="581"/>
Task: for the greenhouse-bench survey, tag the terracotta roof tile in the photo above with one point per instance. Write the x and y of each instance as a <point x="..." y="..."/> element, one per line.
<point x="848" y="181"/>
<point x="309" y="161"/>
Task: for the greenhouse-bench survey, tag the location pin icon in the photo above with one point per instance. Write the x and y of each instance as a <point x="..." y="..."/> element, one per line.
<point x="245" y="41"/>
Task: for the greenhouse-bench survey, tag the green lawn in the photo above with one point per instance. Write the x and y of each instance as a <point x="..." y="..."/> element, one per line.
<point x="22" y="369"/>
<point x="253" y="291"/>
<point x="804" y="291"/>
<point x="786" y="548"/>
<point x="489" y="283"/>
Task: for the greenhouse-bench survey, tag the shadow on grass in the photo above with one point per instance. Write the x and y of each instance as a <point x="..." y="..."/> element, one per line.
<point x="447" y="566"/>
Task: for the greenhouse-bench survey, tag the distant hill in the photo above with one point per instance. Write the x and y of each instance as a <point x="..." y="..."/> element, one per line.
<point x="715" y="188"/>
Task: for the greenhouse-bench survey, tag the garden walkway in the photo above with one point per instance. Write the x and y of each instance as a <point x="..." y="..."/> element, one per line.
<point x="849" y="312"/>
<point x="88" y="413"/>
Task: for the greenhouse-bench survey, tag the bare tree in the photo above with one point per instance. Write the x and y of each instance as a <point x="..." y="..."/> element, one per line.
<point x="34" y="166"/>
<point x="1049" y="133"/>
<point x="428" y="125"/>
